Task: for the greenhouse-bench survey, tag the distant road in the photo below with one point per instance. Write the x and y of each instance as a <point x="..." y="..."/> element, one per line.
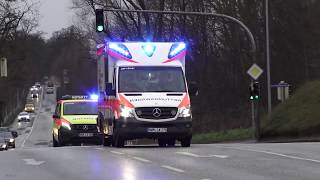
<point x="36" y="159"/>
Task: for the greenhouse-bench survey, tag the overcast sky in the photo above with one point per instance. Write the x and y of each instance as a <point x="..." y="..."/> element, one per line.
<point x="54" y="15"/>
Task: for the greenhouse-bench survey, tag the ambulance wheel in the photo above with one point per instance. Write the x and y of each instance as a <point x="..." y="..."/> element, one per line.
<point x="118" y="141"/>
<point x="162" y="142"/>
<point x="186" y="142"/>
<point x="54" y="142"/>
<point x="171" y="142"/>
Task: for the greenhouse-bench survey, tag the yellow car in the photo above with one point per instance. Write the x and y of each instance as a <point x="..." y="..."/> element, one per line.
<point x="29" y="108"/>
<point x="75" y="121"/>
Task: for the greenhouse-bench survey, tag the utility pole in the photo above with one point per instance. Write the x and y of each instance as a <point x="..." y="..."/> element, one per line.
<point x="268" y="57"/>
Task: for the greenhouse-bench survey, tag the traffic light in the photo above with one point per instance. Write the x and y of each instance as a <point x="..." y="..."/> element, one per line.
<point x="254" y="91"/>
<point x="99" y="20"/>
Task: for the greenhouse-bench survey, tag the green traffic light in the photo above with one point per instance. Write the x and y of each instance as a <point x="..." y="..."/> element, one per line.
<point x="256" y="97"/>
<point x="100" y="28"/>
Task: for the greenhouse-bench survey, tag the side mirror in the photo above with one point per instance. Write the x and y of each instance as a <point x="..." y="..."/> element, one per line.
<point x="55" y="116"/>
<point x="193" y="89"/>
<point x="109" y="90"/>
<point x="14" y="134"/>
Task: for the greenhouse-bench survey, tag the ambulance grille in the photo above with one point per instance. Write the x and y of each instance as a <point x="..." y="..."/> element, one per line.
<point x="156" y="112"/>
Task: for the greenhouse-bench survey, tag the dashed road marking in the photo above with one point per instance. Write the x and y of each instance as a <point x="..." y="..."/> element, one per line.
<point x="277" y="154"/>
<point x="202" y="156"/>
<point x="173" y="169"/>
<point x="117" y="152"/>
<point x="141" y="159"/>
<point x="99" y="149"/>
<point x="33" y="162"/>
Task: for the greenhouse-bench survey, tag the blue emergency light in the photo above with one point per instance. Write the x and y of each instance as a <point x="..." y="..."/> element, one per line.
<point x="94" y="97"/>
<point x="176" y="49"/>
<point x="120" y="49"/>
<point x="149" y="49"/>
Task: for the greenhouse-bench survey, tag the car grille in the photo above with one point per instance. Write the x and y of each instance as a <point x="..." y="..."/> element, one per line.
<point x="84" y="127"/>
<point x="156" y="112"/>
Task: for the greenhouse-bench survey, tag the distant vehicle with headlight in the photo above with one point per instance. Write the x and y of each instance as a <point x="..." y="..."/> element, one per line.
<point x="3" y="145"/>
<point x="29" y="107"/>
<point x="75" y="121"/>
<point x="23" y="117"/>
<point x="146" y="93"/>
<point x="9" y="139"/>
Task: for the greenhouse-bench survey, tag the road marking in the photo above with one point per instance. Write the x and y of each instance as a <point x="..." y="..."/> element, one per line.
<point x="205" y="179"/>
<point x="202" y="156"/>
<point x="173" y="169"/>
<point x="36" y="117"/>
<point x="117" y="152"/>
<point x="33" y="162"/>
<point x="277" y="154"/>
<point x="99" y="149"/>
<point x="141" y="159"/>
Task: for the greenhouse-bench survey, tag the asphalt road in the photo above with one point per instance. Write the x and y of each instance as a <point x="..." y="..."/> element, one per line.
<point x="34" y="158"/>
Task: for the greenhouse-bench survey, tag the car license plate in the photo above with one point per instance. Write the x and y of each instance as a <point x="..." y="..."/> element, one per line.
<point x="85" y="134"/>
<point x="157" y="130"/>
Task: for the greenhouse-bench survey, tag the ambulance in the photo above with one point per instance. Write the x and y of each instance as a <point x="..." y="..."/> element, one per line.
<point x="75" y="120"/>
<point x="146" y="94"/>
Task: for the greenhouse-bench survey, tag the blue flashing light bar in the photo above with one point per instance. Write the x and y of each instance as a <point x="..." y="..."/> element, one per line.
<point x="94" y="97"/>
<point x="121" y="49"/>
<point x="149" y="49"/>
<point x="176" y="49"/>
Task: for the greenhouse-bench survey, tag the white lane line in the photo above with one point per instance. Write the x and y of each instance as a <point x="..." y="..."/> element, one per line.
<point x="117" y="152"/>
<point x="202" y="156"/>
<point x="35" y="118"/>
<point x="173" y="169"/>
<point x="141" y="159"/>
<point x="33" y="162"/>
<point x="99" y="149"/>
<point x="278" y="154"/>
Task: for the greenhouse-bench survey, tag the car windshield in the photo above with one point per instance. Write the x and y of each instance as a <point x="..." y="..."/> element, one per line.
<point x="29" y="105"/>
<point x="80" y="108"/>
<point x="23" y="114"/>
<point x="151" y="79"/>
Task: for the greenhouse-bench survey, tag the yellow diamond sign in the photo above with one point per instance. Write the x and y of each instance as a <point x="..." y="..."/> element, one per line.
<point x="255" y="71"/>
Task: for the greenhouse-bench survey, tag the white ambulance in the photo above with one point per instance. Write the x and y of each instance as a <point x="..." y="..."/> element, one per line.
<point x="146" y="94"/>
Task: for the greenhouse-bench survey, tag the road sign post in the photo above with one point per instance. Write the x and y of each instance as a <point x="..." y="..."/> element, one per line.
<point x="255" y="72"/>
<point x="3" y="67"/>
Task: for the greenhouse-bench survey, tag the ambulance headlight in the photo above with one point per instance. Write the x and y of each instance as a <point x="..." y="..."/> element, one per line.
<point x="126" y="111"/>
<point x="185" y="112"/>
<point x="66" y="125"/>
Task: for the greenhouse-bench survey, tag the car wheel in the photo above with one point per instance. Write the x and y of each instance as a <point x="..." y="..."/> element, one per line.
<point x="14" y="145"/>
<point x="54" y="142"/>
<point x="118" y="141"/>
<point x="171" y="142"/>
<point x="186" y="142"/>
<point x="162" y="142"/>
<point x="107" y="141"/>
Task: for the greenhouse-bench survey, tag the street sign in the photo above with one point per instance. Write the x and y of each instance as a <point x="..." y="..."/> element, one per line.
<point x="255" y="71"/>
<point x="3" y="67"/>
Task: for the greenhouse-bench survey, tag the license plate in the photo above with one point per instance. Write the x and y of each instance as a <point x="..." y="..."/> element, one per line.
<point x="157" y="130"/>
<point x="85" y="134"/>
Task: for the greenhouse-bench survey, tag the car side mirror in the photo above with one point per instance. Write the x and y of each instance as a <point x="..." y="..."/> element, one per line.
<point x="193" y="89"/>
<point x="55" y="116"/>
<point x="109" y="90"/>
<point x="14" y="134"/>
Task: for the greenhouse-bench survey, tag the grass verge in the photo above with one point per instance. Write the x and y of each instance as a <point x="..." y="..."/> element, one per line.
<point x="228" y="135"/>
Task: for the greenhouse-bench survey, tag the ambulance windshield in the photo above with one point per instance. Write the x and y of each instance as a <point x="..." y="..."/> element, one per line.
<point x="151" y="79"/>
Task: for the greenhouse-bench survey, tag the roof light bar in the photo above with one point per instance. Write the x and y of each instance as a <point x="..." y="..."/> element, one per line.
<point x="176" y="49"/>
<point x="120" y="49"/>
<point x="149" y="49"/>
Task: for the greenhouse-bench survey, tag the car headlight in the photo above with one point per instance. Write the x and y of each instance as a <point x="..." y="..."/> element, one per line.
<point x="66" y="125"/>
<point x="11" y="140"/>
<point x="126" y="111"/>
<point x="185" y="112"/>
<point x="4" y="146"/>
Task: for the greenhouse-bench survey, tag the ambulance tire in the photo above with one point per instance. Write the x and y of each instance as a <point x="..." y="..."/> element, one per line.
<point x="54" y="142"/>
<point x="107" y="141"/>
<point x="162" y="142"/>
<point x="171" y="142"/>
<point x="118" y="141"/>
<point x="186" y="142"/>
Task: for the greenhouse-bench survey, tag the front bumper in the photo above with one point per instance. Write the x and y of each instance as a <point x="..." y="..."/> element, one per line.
<point x="73" y="136"/>
<point x="131" y="128"/>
